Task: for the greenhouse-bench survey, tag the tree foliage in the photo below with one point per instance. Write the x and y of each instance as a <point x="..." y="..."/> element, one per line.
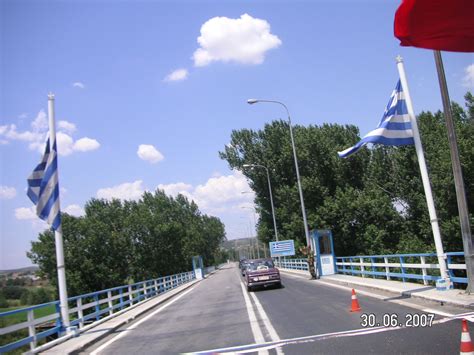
<point x="118" y="242"/>
<point x="373" y="201"/>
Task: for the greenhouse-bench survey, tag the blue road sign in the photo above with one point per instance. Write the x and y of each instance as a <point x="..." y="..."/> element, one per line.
<point x="282" y="248"/>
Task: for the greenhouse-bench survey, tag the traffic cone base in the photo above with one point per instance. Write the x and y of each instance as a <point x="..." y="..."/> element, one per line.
<point x="355" y="303"/>
<point x="466" y="345"/>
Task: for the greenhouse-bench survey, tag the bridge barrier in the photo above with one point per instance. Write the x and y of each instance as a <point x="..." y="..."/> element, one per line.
<point x="293" y="264"/>
<point x="84" y="310"/>
<point x="423" y="267"/>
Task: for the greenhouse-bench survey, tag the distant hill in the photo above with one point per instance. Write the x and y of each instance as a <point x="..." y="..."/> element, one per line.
<point x="23" y="269"/>
<point x="236" y="243"/>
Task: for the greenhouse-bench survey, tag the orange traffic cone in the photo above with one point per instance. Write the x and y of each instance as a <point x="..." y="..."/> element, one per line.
<point x="466" y="344"/>
<point x="355" y="303"/>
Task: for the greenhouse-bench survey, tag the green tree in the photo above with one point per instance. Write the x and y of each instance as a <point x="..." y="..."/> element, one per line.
<point x="374" y="200"/>
<point x="117" y="242"/>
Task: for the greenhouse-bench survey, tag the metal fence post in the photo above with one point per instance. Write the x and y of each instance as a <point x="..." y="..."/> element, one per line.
<point x="80" y="313"/>
<point x="31" y="328"/>
<point x="423" y="270"/>
<point x="387" y="268"/>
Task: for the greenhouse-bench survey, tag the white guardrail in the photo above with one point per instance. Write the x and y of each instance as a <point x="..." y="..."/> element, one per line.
<point x="31" y="325"/>
<point x="422" y="266"/>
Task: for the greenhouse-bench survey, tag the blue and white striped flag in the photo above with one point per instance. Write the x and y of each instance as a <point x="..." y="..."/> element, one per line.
<point x="394" y="127"/>
<point x="43" y="187"/>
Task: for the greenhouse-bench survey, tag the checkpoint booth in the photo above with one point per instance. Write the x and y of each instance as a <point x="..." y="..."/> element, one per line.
<point x="323" y="246"/>
<point x="198" y="267"/>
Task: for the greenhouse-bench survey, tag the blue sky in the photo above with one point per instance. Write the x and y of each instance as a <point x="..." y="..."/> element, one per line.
<point x="147" y="93"/>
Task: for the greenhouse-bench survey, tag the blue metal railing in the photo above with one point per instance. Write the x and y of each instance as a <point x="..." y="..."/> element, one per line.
<point x="85" y="309"/>
<point x="423" y="266"/>
<point x="293" y="264"/>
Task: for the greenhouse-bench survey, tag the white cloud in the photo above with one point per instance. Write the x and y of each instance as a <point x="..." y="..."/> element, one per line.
<point x="175" y="189"/>
<point x="26" y="213"/>
<point x="40" y="123"/>
<point x="65" y="143"/>
<point x="7" y="193"/>
<point x="219" y="191"/>
<point x="67" y="126"/>
<point x="27" y="136"/>
<point x="85" y="144"/>
<point x="29" y="214"/>
<point x="468" y="80"/>
<point x="177" y="75"/>
<point x="243" y="40"/>
<point x="78" y="84"/>
<point x="149" y="153"/>
<point x="74" y="210"/>
<point x="217" y="195"/>
<point x="125" y="191"/>
<point x="36" y="137"/>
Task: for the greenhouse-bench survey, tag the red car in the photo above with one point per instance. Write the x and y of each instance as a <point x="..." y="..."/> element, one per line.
<point x="261" y="272"/>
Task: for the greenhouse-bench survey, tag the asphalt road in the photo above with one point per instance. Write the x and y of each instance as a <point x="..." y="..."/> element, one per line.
<point x="219" y="313"/>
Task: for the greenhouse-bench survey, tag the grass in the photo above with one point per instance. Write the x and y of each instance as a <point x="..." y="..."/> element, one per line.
<point x="22" y="316"/>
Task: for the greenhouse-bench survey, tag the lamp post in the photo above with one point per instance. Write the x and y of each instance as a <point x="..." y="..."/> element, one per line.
<point x="270" y="190"/>
<point x="303" y="210"/>
<point x="255" y="224"/>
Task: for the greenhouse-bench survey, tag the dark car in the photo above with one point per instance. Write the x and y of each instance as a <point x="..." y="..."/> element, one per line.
<point x="243" y="266"/>
<point x="261" y="272"/>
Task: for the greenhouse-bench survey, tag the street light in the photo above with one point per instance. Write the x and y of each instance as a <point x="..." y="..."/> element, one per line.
<point x="270" y="190"/>
<point x="303" y="210"/>
<point x="255" y="224"/>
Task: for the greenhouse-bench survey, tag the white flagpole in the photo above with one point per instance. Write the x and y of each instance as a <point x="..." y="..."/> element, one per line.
<point x="58" y="234"/>
<point x="424" y="176"/>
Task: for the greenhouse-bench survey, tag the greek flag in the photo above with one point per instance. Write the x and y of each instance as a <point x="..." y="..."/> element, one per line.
<point x="394" y="127"/>
<point x="43" y="187"/>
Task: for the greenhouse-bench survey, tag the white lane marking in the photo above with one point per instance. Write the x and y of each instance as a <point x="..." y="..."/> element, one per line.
<point x="256" y="331"/>
<point x="242" y="349"/>
<point x="133" y="326"/>
<point x="263" y="315"/>
<point x="380" y="297"/>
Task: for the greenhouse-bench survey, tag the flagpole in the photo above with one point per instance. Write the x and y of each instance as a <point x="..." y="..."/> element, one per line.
<point x="457" y="173"/>
<point x="424" y="177"/>
<point x="58" y="234"/>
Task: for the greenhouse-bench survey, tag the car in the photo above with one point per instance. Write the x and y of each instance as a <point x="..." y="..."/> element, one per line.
<point x="261" y="272"/>
<point x="243" y="266"/>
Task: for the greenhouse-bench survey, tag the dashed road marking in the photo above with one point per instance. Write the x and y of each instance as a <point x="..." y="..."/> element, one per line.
<point x="256" y="331"/>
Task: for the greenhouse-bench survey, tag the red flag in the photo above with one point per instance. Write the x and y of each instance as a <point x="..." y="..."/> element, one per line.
<point x="444" y="25"/>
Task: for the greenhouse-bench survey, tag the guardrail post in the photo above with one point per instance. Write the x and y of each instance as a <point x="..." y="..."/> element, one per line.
<point x="343" y="265"/>
<point x="145" y="293"/>
<point x="423" y="270"/>
<point x="352" y="267"/>
<point x="121" y="298"/>
<point x="450" y="271"/>
<point x="402" y="268"/>
<point x="373" y="267"/>
<point x="97" y="306"/>
<point x="80" y="313"/>
<point x="31" y="328"/>
<point x="130" y="294"/>
<point x="387" y="268"/>
<point x="59" y="320"/>
<point x="111" y="306"/>
<point x="362" y="268"/>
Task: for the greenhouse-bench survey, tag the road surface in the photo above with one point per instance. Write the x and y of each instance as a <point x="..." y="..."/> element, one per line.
<point x="219" y="313"/>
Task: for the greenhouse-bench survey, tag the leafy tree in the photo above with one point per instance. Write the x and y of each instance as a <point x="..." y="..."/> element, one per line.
<point x="374" y="200"/>
<point x="118" y="242"/>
